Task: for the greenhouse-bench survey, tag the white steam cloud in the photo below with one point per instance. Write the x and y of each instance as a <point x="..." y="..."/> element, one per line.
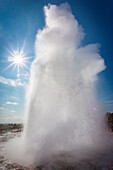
<point x="61" y="90"/>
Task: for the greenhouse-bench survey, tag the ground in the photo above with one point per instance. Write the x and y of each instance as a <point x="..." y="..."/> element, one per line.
<point x="63" y="161"/>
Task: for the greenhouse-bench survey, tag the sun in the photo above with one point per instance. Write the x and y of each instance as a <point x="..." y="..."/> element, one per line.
<point x="18" y="59"/>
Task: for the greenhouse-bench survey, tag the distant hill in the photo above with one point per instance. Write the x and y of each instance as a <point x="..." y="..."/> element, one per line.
<point x="109" y="117"/>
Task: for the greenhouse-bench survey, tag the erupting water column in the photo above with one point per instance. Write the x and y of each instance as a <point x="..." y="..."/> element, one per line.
<point x="61" y="99"/>
<point x="61" y="110"/>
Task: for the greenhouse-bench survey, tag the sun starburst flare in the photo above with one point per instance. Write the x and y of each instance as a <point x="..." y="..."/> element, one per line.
<point x="18" y="59"/>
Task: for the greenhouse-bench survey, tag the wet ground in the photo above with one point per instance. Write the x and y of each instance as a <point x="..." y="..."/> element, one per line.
<point x="95" y="161"/>
<point x="5" y="135"/>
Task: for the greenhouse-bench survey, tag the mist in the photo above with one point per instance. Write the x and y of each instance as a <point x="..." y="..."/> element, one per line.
<point x="62" y="110"/>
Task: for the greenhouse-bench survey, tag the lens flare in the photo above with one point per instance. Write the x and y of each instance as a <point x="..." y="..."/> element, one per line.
<point x="94" y="108"/>
<point x="18" y="59"/>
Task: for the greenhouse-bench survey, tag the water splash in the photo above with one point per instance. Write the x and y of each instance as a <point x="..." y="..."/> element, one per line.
<point x="61" y="90"/>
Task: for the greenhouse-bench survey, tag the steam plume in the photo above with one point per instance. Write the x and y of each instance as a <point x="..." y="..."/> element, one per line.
<point x="61" y="93"/>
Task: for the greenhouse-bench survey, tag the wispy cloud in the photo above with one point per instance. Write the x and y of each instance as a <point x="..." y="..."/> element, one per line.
<point x="1" y="108"/>
<point x="1" y="30"/>
<point x="12" y="111"/>
<point x="11" y="103"/>
<point x="12" y="119"/>
<point x="11" y="82"/>
<point x="110" y="101"/>
<point x="13" y="97"/>
<point x="25" y="76"/>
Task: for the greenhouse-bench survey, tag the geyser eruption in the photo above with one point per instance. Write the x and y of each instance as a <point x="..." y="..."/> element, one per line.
<point x="62" y="112"/>
<point x="61" y="89"/>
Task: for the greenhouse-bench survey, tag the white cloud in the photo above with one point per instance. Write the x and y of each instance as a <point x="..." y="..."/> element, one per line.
<point x="13" y="97"/>
<point x="110" y="101"/>
<point x="1" y="108"/>
<point x="12" y="119"/>
<point x="12" y="82"/>
<point x="1" y="30"/>
<point x="9" y="82"/>
<point x="12" y="111"/>
<point x="25" y="75"/>
<point x="12" y="103"/>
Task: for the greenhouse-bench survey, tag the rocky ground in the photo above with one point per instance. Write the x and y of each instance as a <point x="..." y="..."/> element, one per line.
<point x="7" y="132"/>
<point x="56" y="162"/>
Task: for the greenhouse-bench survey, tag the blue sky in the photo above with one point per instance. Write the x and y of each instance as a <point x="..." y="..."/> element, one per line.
<point x="19" y="22"/>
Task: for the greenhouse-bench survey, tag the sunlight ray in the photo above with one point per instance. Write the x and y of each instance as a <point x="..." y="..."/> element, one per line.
<point x="18" y="59"/>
